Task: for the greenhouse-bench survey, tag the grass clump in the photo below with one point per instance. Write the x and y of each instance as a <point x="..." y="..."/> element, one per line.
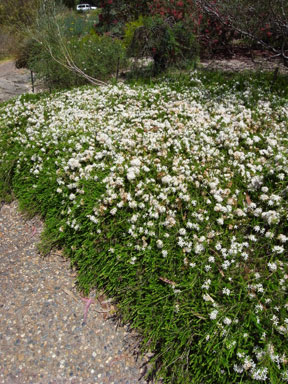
<point x="174" y="201"/>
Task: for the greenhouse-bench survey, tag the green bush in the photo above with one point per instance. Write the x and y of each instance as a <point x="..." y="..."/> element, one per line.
<point x="75" y="24"/>
<point x="25" y="52"/>
<point x="64" y="50"/>
<point x="167" y="41"/>
<point x="130" y="29"/>
<point x="97" y="56"/>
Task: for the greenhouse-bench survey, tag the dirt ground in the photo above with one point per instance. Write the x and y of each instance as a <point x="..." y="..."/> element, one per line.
<point x="259" y="62"/>
<point x="13" y="81"/>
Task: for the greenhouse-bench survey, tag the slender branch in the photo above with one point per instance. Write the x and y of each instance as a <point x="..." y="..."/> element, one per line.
<point x="231" y="21"/>
<point x="66" y="59"/>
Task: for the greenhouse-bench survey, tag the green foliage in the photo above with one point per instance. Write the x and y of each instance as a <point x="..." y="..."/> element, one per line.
<point x="130" y="29"/>
<point x="97" y="56"/>
<point x="169" y="43"/>
<point x="15" y="17"/>
<point x="114" y="14"/>
<point x="73" y="24"/>
<point x="25" y="52"/>
<point x="64" y="50"/>
<point x="17" y="14"/>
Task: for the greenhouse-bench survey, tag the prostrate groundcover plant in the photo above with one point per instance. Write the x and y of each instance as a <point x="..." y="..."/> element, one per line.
<point x="173" y="198"/>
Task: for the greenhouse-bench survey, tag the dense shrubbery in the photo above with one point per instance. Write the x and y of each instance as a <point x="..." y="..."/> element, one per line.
<point x="115" y="13"/>
<point x="97" y="56"/>
<point x="168" y="42"/>
<point x="210" y="25"/>
<point x="212" y="35"/>
<point x="64" y="50"/>
<point x="264" y="22"/>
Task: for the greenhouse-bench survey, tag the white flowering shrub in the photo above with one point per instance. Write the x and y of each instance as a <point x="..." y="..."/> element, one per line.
<point x="172" y="197"/>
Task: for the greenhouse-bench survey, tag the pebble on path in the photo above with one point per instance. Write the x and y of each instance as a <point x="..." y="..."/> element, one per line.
<point x="43" y="339"/>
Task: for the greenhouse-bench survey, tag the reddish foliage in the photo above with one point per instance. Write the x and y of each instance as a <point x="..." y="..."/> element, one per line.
<point x="210" y="32"/>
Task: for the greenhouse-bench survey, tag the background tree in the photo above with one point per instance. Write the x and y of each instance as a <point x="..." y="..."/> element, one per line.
<point x="213" y="36"/>
<point x="15" y="13"/>
<point x="69" y="3"/>
<point x="14" y="16"/>
<point x="265" y="22"/>
<point x="115" y="13"/>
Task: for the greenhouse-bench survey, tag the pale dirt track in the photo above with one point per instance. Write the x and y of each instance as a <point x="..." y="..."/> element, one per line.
<point x="13" y="81"/>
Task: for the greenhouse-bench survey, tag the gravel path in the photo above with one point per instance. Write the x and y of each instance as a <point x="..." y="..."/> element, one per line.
<point x="13" y="81"/>
<point x="242" y="63"/>
<point x="43" y="338"/>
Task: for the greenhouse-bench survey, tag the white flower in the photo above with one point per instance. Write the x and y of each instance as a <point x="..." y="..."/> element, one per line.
<point x="93" y="219"/>
<point x="248" y="364"/>
<point x="238" y="368"/>
<point x="218" y="246"/>
<point x="269" y="235"/>
<point x="220" y="221"/>
<point x="260" y="374"/>
<point x="199" y="248"/>
<point x="134" y="218"/>
<point x="206" y="284"/>
<point x="182" y="231"/>
<point x="272" y="217"/>
<point x="73" y="163"/>
<point x="131" y="175"/>
<point x="135" y="163"/>
<point x="166" y="179"/>
<point x="227" y="321"/>
<point x="239" y="212"/>
<point x="278" y="249"/>
<point x="213" y="314"/>
<point x="226" y="291"/>
<point x="72" y="196"/>
<point x="133" y="259"/>
<point x="113" y="211"/>
<point x="192" y="265"/>
<point x="159" y="243"/>
<point x="282" y="238"/>
<point x="272" y="266"/>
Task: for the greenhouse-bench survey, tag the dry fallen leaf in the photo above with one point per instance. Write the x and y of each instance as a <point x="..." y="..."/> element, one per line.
<point x="248" y="200"/>
<point x="221" y="272"/>
<point x="167" y="281"/>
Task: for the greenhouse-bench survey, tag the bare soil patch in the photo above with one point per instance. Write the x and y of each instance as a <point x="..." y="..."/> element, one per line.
<point x="13" y="81"/>
<point x="256" y="61"/>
